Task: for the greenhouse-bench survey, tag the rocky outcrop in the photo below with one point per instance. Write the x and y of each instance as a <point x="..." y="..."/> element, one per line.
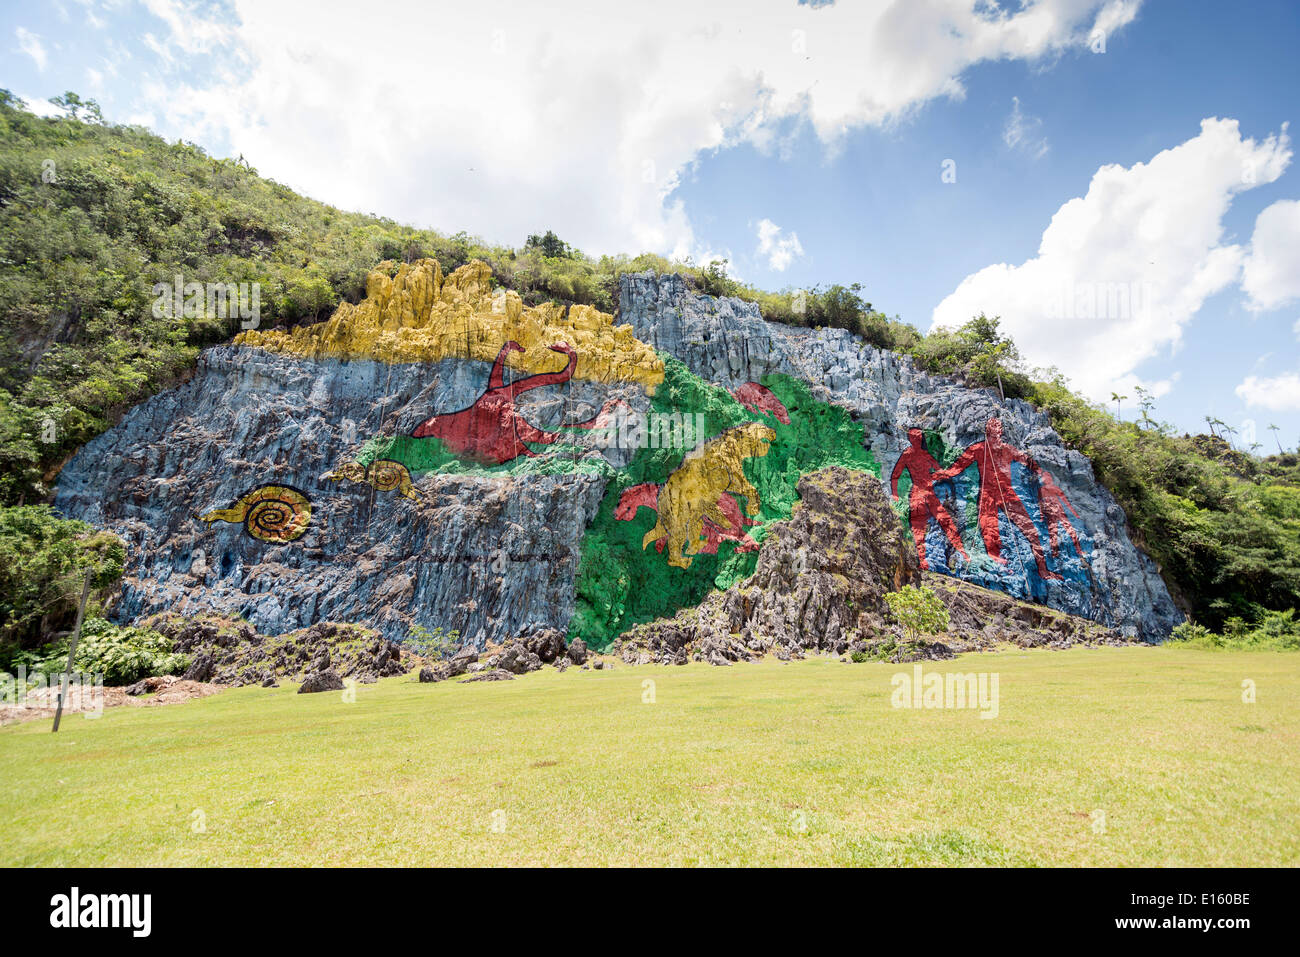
<point x="231" y="652"/>
<point x="518" y="660"/>
<point x="980" y="620"/>
<point x="491" y="674"/>
<point x="319" y="681"/>
<point x="1106" y="579"/>
<point x="818" y="586"/>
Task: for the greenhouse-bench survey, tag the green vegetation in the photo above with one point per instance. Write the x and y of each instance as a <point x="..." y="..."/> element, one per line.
<point x="1098" y="757"/>
<point x="44" y="561"/>
<point x="436" y="644"/>
<point x="1223" y="526"/>
<point x="1275" y="631"/>
<point x="919" y="610"/>
<point x="121" y="655"/>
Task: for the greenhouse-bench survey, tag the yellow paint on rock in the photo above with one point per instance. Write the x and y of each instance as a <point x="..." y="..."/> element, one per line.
<point x="413" y="314"/>
<point x="691" y="493"/>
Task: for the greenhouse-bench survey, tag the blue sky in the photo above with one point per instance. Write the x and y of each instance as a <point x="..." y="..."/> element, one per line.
<point x="806" y="146"/>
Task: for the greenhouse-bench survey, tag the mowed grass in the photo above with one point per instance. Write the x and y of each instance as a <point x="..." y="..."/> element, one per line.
<point x="1137" y="756"/>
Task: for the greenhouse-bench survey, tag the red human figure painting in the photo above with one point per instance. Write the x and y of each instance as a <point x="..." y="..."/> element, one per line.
<point x="493" y="430"/>
<point x="997" y="494"/>
<point x="761" y="399"/>
<point x="922" y="503"/>
<point x="1052" y="504"/>
<point x="647" y="494"/>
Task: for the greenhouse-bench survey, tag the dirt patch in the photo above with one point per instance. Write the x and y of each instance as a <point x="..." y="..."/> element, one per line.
<point x="42" y="702"/>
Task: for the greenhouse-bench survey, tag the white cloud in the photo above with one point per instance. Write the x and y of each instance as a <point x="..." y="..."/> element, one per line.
<point x="34" y="104"/>
<point x="30" y="43"/>
<point x="1277" y="393"/>
<point x="1271" y="273"/>
<point x="1024" y="132"/>
<point x="186" y="26"/>
<point x="779" y="250"/>
<point x="1120" y="270"/>
<point x="573" y="119"/>
<point x="87" y="12"/>
<point x="160" y="49"/>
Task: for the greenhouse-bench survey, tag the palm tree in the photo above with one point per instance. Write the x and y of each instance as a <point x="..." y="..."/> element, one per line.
<point x="1117" y="399"/>
<point x="1273" y="429"/>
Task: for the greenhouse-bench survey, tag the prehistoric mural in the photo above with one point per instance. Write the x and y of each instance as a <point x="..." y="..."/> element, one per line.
<point x="439" y="427"/>
<point x="412" y="314"/>
<point x="691" y="495"/>
<point x="493" y="430"/>
<point x="923" y="503"/>
<point x="275" y="514"/>
<point x="731" y="529"/>
<point x="989" y="481"/>
<point x="383" y="475"/>
<point x="705" y="509"/>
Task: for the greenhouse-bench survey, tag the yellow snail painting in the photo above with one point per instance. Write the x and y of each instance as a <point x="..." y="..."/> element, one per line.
<point x="384" y="475"/>
<point x="270" y="513"/>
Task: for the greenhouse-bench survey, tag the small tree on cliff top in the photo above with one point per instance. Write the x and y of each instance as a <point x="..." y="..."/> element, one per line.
<point x="918" y="610"/>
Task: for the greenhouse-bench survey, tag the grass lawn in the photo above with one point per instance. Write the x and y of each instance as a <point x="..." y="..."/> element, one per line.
<point x="1132" y="756"/>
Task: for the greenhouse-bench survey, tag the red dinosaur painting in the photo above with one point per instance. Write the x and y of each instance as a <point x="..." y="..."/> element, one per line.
<point x="760" y="399"/>
<point x="997" y="495"/>
<point x="647" y="494"/>
<point x="492" y="430"/>
<point x="923" y="504"/>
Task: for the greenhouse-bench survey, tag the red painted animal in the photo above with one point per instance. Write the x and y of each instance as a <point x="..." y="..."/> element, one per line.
<point x="760" y="399"/>
<point x="493" y="430"/>
<point x="647" y="494"/>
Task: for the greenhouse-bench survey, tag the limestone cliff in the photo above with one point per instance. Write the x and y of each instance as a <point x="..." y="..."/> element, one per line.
<point x="441" y="455"/>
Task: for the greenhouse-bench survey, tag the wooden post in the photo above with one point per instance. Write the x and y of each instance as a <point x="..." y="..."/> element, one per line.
<point x="72" y="651"/>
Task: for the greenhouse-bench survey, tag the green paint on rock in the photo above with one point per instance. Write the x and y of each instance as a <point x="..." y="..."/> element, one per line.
<point x="619" y="584"/>
<point x="421" y="456"/>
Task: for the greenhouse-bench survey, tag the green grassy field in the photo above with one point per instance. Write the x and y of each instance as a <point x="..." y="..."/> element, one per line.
<point x="1138" y="756"/>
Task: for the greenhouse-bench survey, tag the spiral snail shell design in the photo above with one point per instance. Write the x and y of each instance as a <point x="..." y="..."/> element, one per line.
<point x="384" y="475"/>
<point x="270" y="513"/>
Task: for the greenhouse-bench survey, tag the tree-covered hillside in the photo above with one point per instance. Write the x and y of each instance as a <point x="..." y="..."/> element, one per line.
<point x="92" y="216"/>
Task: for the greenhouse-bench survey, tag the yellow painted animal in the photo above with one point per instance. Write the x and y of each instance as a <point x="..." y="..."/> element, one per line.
<point x="385" y="475"/>
<point x="692" y="491"/>
<point x="271" y="513"/>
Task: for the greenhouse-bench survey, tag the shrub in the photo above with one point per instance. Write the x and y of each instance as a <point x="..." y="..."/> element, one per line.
<point x="919" y="610"/>
<point x="437" y="644"/>
<point x="122" y="655"/>
<point x="1272" y="631"/>
<point x="43" y="563"/>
